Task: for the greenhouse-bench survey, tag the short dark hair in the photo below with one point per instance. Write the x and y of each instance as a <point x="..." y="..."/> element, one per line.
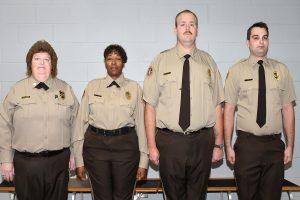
<point x="115" y="48"/>
<point x="38" y="47"/>
<point x="257" y="24"/>
<point x="186" y="11"/>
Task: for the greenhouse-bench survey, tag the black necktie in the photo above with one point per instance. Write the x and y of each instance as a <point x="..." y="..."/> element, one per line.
<point x="42" y="85"/>
<point x="261" y="105"/>
<point x="114" y="83"/>
<point x="185" y="108"/>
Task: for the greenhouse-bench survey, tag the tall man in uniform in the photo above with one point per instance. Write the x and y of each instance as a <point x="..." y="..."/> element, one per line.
<point x="262" y="91"/>
<point x="183" y="115"/>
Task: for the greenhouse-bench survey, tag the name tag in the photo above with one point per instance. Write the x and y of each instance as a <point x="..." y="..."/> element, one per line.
<point x="249" y="79"/>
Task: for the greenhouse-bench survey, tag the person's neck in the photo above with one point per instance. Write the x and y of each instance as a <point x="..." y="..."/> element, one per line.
<point x="187" y="48"/>
<point x="259" y="57"/>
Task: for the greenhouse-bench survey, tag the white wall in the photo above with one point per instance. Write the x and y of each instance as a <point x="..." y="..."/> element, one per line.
<point x="79" y="30"/>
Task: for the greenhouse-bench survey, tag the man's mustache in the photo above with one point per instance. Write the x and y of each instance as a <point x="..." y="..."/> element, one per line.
<point x="189" y="32"/>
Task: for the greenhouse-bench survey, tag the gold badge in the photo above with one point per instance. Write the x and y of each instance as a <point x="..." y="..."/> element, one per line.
<point x="128" y="95"/>
<point x="276" y="75"/>
<point x="149" y="72"/>
<point x="209" y="73"/>
<point x="62" y="94"/>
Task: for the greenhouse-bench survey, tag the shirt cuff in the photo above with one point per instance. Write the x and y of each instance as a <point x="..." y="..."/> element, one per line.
<point x="144" y="160"/>
<point x="6" y="156"/>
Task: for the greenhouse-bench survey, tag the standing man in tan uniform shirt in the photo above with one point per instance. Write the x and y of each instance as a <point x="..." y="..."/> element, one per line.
<point x="36" y="119"/>
<point x="259" y="154"/>
<point x="184" y="155"/>
<point x="110" y="139"/>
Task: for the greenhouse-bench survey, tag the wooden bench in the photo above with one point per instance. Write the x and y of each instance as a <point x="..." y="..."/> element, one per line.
<point x="153" y="185"/>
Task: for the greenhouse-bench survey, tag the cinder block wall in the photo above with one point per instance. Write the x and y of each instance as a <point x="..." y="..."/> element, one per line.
<point x="79" y="30"/>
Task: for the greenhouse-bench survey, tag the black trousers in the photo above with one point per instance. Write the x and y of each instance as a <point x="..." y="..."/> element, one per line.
<point x="111" y="163"/>
<point x="42" y="178"/>
<point x="259" y="167"/>
<point x="185" y="163"/>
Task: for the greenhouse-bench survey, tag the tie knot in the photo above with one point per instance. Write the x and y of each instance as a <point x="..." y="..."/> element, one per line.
<point x="42" y="85"/>
<point x="114" y="83"/>
<point x="187" y="56"/>
<point x="260" y="62"/>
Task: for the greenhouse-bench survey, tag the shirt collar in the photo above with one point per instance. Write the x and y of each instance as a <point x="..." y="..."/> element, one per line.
<point x="181" y="53"/>
<point x="33" y="82"/>
<point x="119" y="80"/>
<point x="253" y="61"/>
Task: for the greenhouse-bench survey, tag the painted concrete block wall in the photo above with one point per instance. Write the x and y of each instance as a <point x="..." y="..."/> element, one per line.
<point x="79" y="30"/>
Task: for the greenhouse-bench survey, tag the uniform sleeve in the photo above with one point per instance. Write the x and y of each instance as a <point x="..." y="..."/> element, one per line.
<point x="80" y="127"/>
<point x="140" y="129"/>
<point x="150" y="88"/>
<point x="287" y="89"/>
<point x="74" y="113"/>
<point x="7" y="110"/>
<point x="231" y="87"/>
<point x="218" y="91"/>
<point x="74" y="107"/>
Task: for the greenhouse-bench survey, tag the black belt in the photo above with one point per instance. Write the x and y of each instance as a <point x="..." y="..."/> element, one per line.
<point x="116" y="132"/>
<point x="42" y="153"/>
<point x="244" y="133"/>
<point x="166" y="130"/>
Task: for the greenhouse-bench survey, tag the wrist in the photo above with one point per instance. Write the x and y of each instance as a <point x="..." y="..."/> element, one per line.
<point x="219" y="146"/>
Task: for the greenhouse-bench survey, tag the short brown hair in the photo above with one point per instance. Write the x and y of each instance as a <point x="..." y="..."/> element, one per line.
<point x="259" y="25"/>
<point x="38" y="47"/>
<point x="186" y="11"/>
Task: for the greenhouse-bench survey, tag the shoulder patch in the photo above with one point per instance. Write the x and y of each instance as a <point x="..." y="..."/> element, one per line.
<point x="150" y="70"/>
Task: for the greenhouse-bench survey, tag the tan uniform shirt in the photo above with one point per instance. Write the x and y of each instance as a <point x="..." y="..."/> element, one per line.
<point x="241" y="89"/>
<point x="111" y="108"/>
<point x="35" y="120"/>
<point x="162" y="88"/>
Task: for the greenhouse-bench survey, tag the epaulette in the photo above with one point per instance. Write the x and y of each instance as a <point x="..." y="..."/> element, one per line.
<point x="165" y="51"/>
<point x="21" y="80"/>
<point x="242" y="60"/>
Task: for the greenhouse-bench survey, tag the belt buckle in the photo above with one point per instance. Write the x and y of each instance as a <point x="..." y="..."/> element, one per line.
<point x="105" y="133"/>
<point x="186" y="132"/>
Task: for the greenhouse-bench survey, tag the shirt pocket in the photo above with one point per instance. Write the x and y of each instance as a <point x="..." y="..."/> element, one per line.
<point x="126" y="106"/>
<point x="25" y="107"/>
<point x="63" y="109"/>
<point x="248" y="93"/>
<point x="96" y="104"/>
<point x="168" y="85"/>
<point x="275" y="94"/>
